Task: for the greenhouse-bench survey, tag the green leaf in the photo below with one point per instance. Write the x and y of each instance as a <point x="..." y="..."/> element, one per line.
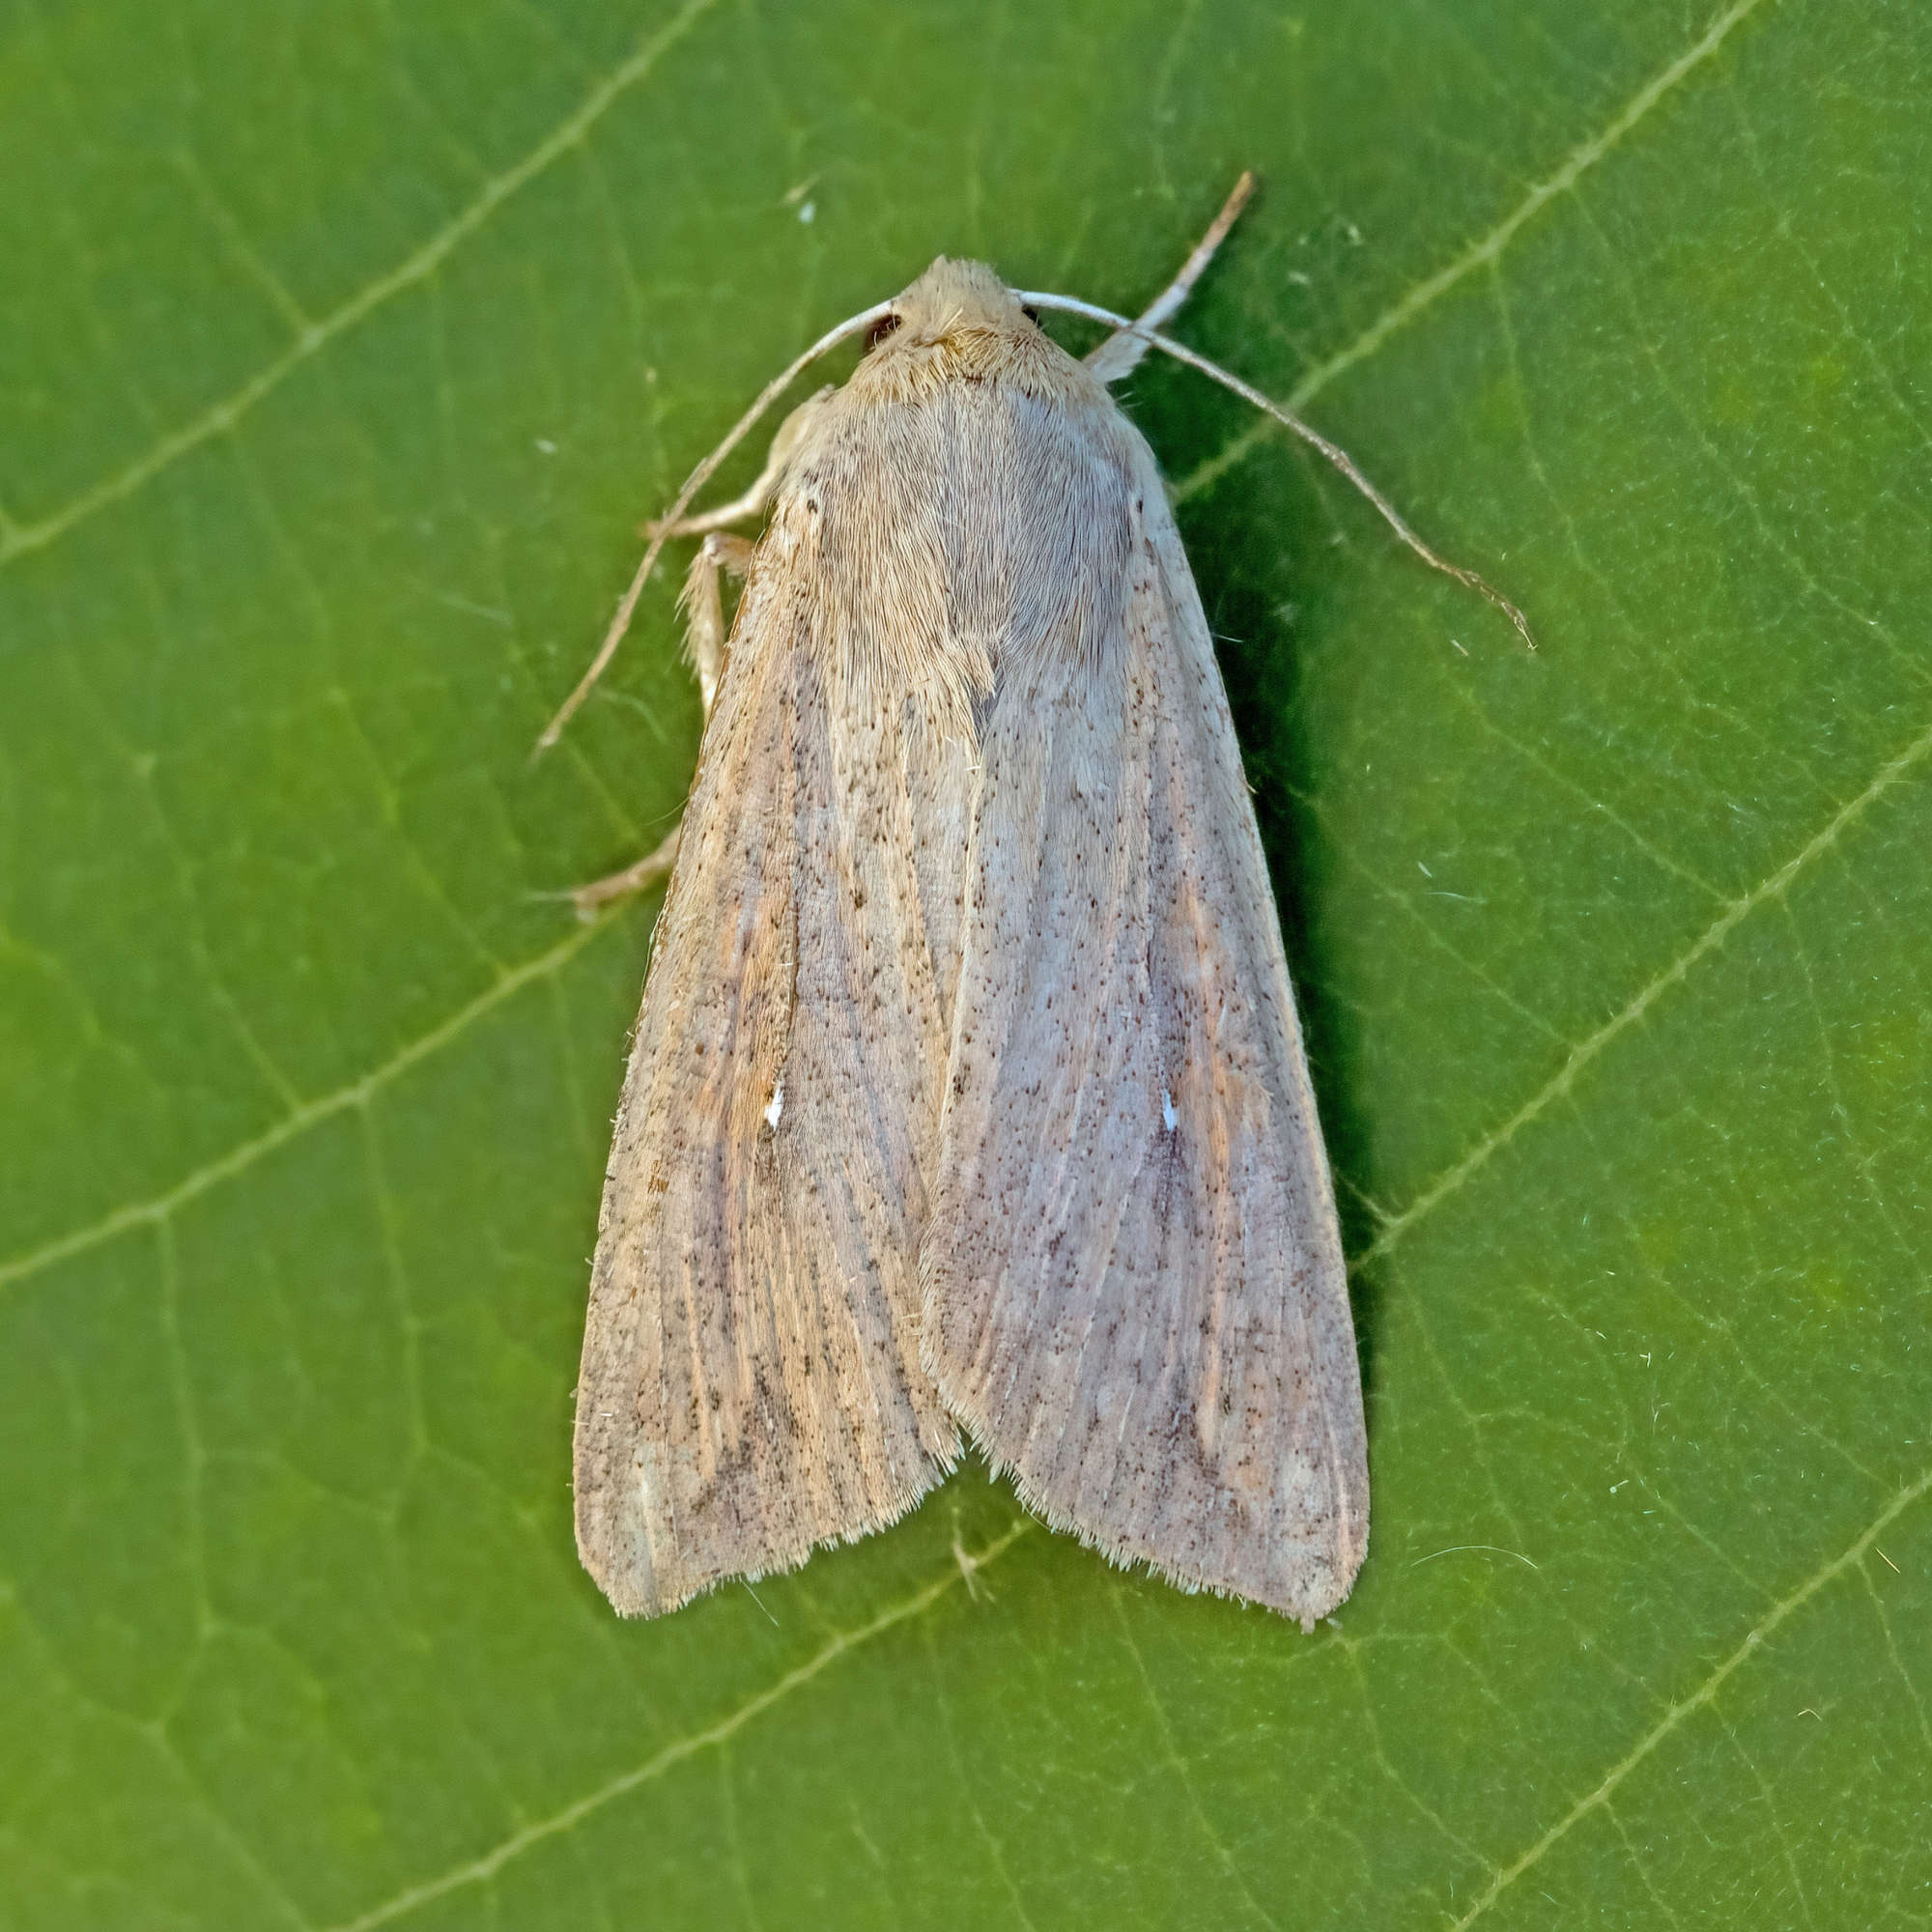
<point x="343" y="349"/>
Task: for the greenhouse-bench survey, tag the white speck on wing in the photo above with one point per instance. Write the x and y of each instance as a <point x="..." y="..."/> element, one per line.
<point x="777" y="1106"/>
<point x="1169" y="1119"/>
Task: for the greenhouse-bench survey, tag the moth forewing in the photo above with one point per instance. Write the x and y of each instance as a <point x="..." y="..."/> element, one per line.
<point x="751" y="1385"/>
<point x="1135" y="1297"/>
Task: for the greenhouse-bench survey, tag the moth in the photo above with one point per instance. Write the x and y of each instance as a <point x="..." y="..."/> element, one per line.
<point x="968" y="1092"/>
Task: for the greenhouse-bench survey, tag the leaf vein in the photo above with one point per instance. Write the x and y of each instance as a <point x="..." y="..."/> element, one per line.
<point x="419" y="267"/>
<point x="1700" y="1698"/>
<point x="1587" y="1050"/>
<point x="1479" y="253"/>
<point x="1216" y="1844"/>
<point x="158" y="1208"/>
<point x="479" y="1870"/>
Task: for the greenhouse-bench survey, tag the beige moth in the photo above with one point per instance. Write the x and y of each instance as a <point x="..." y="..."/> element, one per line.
<point x="968" y="1092"/>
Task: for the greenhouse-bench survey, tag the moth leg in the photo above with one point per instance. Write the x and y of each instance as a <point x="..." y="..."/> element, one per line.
<point x="654" y="866"/>
<point x="1121" y="354"/>
<point x="757" y="498"/>
<point x="702" y="603"/>
<point x="704" y="640"/>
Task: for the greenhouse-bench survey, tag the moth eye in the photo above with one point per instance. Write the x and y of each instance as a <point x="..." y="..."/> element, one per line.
<point x="880" y="330"/>
<point x="1030" y="313"/>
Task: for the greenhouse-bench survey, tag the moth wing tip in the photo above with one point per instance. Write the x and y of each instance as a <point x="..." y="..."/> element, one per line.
<point x="1311" y="1592"/>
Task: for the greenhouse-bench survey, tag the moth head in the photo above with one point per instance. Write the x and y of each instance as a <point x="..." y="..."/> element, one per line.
<point x="958" y="320"/>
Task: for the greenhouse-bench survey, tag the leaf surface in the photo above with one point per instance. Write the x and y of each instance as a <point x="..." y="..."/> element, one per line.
<point x="344" y="350"/>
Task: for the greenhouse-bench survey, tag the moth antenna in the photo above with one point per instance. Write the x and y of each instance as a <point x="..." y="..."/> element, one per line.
<point x="693" y="483"/>
<point x="1120" y="354"/>
<point x="1333" y="451"/>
